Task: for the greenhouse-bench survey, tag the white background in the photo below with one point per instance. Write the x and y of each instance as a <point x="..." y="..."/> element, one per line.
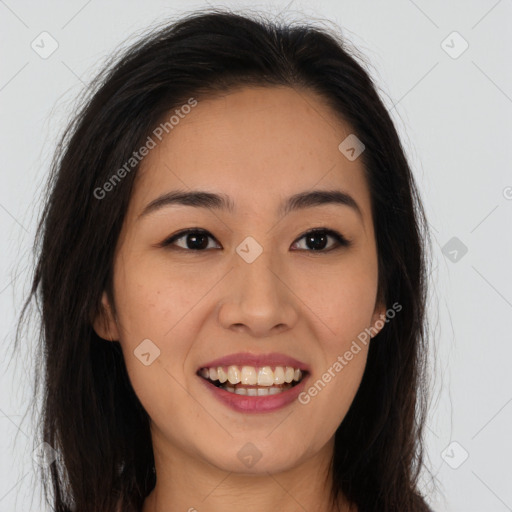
<point x="454" y="116"/>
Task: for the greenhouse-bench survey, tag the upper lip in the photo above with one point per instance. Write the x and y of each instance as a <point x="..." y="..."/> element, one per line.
<point x="257" y="360"/>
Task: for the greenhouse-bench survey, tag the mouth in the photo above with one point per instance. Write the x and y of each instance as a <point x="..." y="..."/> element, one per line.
<point x="253" y="380"/>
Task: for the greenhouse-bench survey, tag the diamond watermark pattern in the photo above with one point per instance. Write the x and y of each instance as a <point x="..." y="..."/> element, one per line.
<point x="44" y="45"/>
<point x="146" y="352"/>
<point x="351" y="147"/>
<point x="249" y="249"/>
<point x="44" y="455"/>
<point x="454" y="45"/>
<point x="249" y="455"/>
<point x="454" y="249"/>
<point x="454" y="455"/>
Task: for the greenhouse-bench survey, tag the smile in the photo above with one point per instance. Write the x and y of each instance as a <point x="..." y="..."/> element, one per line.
<point x="254" y="389"/>
<point x="251" y="380"/>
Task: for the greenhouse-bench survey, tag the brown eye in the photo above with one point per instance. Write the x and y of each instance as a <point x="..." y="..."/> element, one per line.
<point x="193" y="239"/>
<point x="317" y="240"/>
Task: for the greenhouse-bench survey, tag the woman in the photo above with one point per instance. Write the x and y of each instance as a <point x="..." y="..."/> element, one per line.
<point x="280" y="363"/>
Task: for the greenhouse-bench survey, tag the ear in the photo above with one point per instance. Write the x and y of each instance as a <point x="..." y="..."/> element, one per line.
<point x="378" y="317"/>
<point x="105" y="324"/>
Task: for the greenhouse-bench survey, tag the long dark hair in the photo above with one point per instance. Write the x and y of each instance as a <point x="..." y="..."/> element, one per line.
<point x="90" y="413"/>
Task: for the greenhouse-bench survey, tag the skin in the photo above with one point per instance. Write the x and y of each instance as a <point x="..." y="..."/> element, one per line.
<point x="259" y="146"/>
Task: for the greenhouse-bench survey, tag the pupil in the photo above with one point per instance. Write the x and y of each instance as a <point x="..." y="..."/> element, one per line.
<point x="316" y="246"/>
<point x="194" y="244"/>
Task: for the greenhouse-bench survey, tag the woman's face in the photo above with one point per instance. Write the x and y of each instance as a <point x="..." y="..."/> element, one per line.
<point x="251" y="283"/>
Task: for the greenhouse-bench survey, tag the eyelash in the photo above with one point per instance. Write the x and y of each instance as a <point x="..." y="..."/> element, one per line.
<point x="340" y="239"/>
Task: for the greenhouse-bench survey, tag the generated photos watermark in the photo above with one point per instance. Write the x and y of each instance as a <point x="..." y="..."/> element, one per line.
<point x="137" y="156"/>
<point x="343" y="360"/>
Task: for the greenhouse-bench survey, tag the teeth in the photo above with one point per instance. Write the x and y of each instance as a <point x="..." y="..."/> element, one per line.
<point x="233" y="374"/>
<point x="221" y="375"/>
<point x="249" y="375"/>
<point x="279" y="375"/>
<point x="265" y="376"/>
<point x="289" y="374"/>
<point x="252" y="376"/>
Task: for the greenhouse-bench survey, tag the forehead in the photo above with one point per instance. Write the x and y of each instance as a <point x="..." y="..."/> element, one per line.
<point x="256" y="145"/>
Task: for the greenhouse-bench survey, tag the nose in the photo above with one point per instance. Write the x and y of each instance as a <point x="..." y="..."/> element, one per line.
<point x="259" y="299"/>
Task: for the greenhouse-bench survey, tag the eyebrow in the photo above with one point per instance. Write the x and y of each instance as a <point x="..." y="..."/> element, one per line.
<point x="214" y="201"/>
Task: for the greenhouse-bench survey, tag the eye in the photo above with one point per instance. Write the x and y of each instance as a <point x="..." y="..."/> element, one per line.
<point x="316" y="240"/>
<point x="194" y="239"/>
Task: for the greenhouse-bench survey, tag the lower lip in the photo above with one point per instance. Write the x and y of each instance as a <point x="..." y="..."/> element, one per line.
<point x="245" y="403"/>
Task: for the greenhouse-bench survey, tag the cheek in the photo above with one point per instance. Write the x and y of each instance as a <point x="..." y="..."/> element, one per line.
<point x="342" y="298"/>
<point x="151" y="307"/>
<point x="151" y="300"/>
